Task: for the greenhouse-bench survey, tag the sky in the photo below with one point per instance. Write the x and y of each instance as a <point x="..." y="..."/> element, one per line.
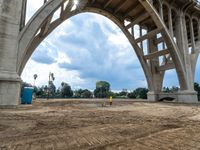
<point x="85" y="49"/>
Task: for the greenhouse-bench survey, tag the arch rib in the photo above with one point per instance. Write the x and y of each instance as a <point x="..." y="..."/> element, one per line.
<point x="28" y="40"/>
<point x="175" y="53"/>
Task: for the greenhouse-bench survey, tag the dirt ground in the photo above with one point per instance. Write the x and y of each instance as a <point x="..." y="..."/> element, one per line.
<point x="87" y="124"/>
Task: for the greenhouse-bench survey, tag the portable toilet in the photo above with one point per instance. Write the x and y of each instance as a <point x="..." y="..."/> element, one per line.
<point x="27" y="94"/>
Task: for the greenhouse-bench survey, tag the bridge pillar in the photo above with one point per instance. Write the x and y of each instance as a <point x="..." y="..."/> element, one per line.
<point x="187" y="94"/>
<point x="157" y="76"/>
<point x="10" y="81"/>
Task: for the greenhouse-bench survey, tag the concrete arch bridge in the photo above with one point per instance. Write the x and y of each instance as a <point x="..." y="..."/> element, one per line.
<point x="171" y="30"/>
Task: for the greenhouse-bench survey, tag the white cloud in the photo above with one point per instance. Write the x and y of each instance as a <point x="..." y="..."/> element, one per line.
<point x="43" y="70"/>
<point x="86" y="48"/>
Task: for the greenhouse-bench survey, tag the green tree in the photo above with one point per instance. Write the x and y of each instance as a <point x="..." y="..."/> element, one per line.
<point x="83" y="93"/>
<point x="102" y="89"/>
<point x="196" y="86"/>
<point x="123" y="94"/>
<point x="40" y="92"/>
<point x="66" y="91"/>
<point x="173" y="89"/>
<point x="77" y="93"/>
<point x="197" y="89"/>
<point x="166" y="90"/>
<point x="86" y="94"/>
<point x="113" y="94"/>
<point x="51" y="85"/>
<point x="52" y="89"/>
<point x="141" y="93"/>
<point x="132" y="95"/>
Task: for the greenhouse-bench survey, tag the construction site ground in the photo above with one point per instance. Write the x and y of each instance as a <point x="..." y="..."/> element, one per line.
<point x="92" y="124"/>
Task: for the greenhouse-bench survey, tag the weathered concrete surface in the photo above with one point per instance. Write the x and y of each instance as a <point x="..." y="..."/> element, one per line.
<point x="180" y="96"/>
<point x="9" y="93"/>
<point x="175" y="25"/>
<point x="10" y="11"/>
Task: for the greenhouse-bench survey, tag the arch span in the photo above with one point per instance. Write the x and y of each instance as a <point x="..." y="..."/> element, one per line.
<point x="40" y="25"/>
<point x="126" y="14"/>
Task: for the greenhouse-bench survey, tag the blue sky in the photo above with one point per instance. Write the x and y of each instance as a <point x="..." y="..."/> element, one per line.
<point x="85" y="49"/>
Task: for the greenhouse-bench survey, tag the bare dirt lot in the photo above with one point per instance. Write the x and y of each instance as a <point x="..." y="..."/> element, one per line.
<point x="85" y="124"/>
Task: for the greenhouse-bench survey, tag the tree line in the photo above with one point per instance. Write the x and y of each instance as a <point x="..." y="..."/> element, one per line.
<point x="175" y="89"/>
<point x="102" y="90"/>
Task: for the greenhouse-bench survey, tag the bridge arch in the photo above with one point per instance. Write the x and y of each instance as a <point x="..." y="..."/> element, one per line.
<point x="19" y="40"/>
<point x="38" y="39"/>
<point x="40" y="25"/>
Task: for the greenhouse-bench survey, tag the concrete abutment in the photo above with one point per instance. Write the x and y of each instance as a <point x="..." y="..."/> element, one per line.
<point x="180" y="96"/>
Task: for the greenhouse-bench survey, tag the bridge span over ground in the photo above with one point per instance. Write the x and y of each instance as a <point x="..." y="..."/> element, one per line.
<point x="171" y="30"/>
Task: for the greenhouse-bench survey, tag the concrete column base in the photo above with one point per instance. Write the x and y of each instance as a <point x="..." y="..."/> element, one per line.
<point x="152" y="96"/>
<point x="10" y="87"/>
<point x="181" y="96"/>
<point x="10" y="93"/>
<point x="187" y="97"/>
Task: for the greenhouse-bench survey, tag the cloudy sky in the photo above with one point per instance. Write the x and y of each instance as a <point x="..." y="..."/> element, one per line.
<point x="85" y="49"/>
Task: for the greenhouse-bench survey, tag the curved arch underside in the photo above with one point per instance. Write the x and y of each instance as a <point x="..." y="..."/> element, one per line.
<point x="126" y="14"/>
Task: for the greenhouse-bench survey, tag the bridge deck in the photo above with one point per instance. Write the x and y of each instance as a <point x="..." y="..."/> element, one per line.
<point x="132" y="9"/>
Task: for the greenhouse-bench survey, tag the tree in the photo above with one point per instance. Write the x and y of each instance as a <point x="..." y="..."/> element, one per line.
<point x="52" y="89"/>
<point x="83" y="93"/>
<point x="77" y="93"/>
<point x="51" y="85"/>
<point x="197" y="89"/>
<point x="102" y="89"/>
<point x="123" y="94"/>
<point x="166" y="90"/>
<point x="35" y="77"/>
<point x="174" y="89"/>
<point x="113" y="94"/>
<point x="86" y="94"/>
<point x="196" y="86"/>
<point x="141" y="93"/>
<point x="66" y="90"/>
<point x="132" y="95"/>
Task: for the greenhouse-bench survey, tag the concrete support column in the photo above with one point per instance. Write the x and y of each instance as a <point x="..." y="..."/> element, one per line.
<point x="161" y="9"/>
<point x="186" y="94"/>
<point x="170" y="22"/>
<point x="10" y="17"/>
<point x="23" y="14"/>
<point x="192" y="36"/>
<point x="153" y="94"/>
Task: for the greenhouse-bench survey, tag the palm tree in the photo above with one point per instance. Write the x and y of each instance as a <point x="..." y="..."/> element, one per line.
<point x="51" y="79"/>
<point x="35" y="77"/>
